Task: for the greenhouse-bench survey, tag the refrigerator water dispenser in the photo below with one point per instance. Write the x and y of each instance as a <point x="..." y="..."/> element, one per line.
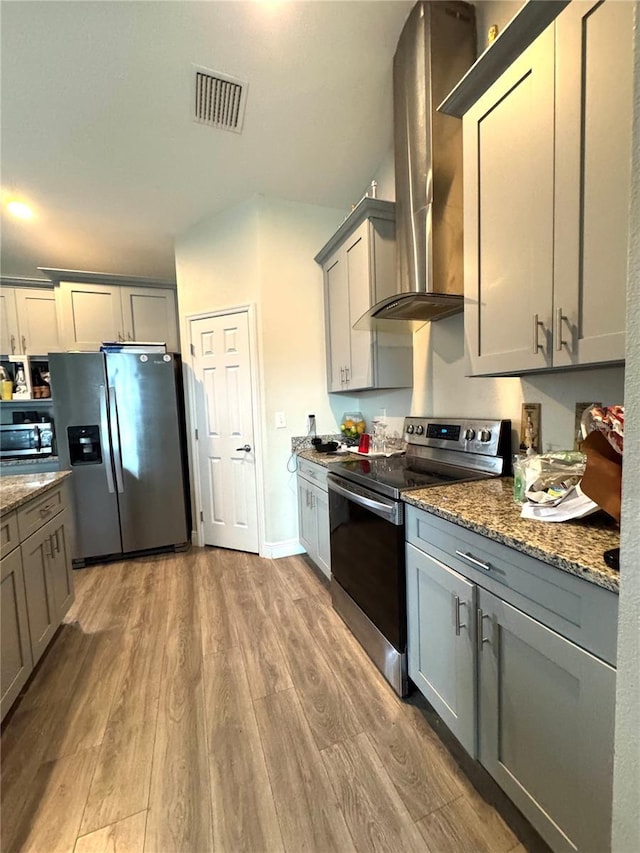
<point x="84" y="445"/>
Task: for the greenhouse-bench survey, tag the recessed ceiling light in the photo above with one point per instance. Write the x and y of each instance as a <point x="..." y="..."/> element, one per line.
<point x="19" y="209"/>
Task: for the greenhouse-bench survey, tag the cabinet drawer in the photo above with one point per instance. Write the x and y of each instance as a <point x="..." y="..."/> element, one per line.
<point x="313" y="472"/>
<point x="575" y="608"/>
<point x="37" y="512"/>
<point x="8" y="533"/>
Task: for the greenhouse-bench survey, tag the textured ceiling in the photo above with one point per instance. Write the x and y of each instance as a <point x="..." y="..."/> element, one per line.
<point x="97" y="129"/>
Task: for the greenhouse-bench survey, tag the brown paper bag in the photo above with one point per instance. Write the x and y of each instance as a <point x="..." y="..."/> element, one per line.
<point x="602" y="480"/>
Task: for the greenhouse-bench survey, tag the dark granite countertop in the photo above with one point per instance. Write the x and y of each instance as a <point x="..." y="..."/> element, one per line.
<point x="17" y="489"/>
<point x="325" y="459"/>
<point x="487" y="508"/>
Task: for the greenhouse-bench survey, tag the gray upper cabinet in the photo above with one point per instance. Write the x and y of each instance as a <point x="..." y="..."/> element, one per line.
<point x="547" y="153"/>
<point x="97" y="307"/>
<point x="359" y="270"/>
<point x="28" y="321"/>
<point x="91" y="313"/>
<point x="594" y="82"/>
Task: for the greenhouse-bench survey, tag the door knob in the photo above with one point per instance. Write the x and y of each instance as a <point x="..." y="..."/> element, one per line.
<point x="245" y="447"/>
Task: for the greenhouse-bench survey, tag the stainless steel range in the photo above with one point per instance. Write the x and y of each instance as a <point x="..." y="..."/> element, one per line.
<point x="366" y="513"/>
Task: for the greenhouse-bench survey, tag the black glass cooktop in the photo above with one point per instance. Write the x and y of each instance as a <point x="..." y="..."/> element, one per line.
<point x="396" y="474"/>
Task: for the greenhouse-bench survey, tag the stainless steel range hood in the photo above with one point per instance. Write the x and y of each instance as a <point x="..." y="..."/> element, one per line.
<point x="436" y="47"/>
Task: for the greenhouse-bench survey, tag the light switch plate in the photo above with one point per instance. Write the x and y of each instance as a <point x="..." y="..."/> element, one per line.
<point x="281" y="421"/>
<point x="530" y="427"/>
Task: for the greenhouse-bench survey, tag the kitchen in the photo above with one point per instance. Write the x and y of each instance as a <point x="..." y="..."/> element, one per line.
<point x="289" y="234"/>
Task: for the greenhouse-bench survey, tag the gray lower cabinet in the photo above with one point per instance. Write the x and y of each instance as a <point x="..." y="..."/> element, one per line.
<point x="14" y="630"/>
<point x="313" y="514"/>
<point x="546" y="711"/>
<point x="518" y="658"/>
<point x="441" y="606"/>
<point x="37" y="585"/>
<point x="46" y="564"/>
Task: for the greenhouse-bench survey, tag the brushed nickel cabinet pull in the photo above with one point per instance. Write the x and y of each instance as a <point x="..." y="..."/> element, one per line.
<point x="24" y="344"/>
<point x="559" y="318"/>
<point x="13" y="344"/>
<point x="486" y="567"/>
<point x="456" y="613"/>
<point x="479" y="625"/>
<point x="536" y="330"/>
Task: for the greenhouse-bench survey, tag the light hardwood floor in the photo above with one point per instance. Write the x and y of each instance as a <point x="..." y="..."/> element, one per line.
<point x="213" y="701"/>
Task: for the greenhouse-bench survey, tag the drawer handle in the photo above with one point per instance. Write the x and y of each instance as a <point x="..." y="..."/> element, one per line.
<point x="46" y="510"/>
<point x="486" y="567"/>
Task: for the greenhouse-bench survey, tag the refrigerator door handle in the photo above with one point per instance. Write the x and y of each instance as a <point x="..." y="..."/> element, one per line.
<point x="115" y="439"/>
<point x="104" y="432"/>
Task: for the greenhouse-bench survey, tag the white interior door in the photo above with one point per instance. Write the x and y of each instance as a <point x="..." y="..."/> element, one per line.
<point x="225" y="424"/>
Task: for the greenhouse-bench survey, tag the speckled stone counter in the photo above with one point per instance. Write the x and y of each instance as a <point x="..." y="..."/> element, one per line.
<point x="20" y="488"/>
<point x="487" y="508"/>
<point x="325" y="459"/>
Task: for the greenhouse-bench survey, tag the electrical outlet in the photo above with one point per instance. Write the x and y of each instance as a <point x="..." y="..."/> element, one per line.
<point x="281" y="421"/>
<point x="530" y="432"/>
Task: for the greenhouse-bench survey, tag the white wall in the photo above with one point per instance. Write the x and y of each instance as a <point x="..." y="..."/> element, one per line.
<point x="261" y="252"/>
<point x="489" y="12"/>
<point x="626" y="791"/>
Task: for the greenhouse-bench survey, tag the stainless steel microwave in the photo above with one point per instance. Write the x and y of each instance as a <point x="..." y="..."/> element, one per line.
<point x="26" y="439"/>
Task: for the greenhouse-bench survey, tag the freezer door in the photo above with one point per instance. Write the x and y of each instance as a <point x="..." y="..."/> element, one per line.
<point x="148" y="450"/>
<point x="79" y="394"/>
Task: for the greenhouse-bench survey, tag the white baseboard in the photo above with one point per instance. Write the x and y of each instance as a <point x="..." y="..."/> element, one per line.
<point x="286" y="548"/>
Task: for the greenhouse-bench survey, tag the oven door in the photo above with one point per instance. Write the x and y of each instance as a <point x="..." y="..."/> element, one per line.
<point x="368" y="571"/>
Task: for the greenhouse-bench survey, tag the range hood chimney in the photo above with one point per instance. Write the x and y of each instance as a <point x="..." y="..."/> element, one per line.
<point x="436" y="48"/>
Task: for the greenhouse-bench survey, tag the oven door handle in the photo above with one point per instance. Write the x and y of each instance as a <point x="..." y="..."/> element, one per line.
<point x="391" y="511"/>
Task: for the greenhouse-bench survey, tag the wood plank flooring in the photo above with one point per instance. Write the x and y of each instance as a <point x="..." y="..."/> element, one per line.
<point x="214" y="701"/>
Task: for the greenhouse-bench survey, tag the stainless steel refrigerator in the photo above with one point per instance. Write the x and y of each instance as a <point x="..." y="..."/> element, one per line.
<point x="119" y="424"/>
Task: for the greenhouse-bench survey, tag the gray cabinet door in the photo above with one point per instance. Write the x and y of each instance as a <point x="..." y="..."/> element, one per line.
<point x="88" y="314"/>
<point x="36" y="553"/>
<point x="546" y="714"/>
<point x="15" y="650"/>
<point x="38" y="320"/>
<point x="359" y="274"/>
<point x="149" y="314"/>
<point x="321" y="511"/>
<point x="440" y="641"/>
<point x="508" y="210"/>
<point x="60" y="571"/>
<point x="307" y="531"/>
<point x="594" y="83"/>
<point x="337" y="322"/>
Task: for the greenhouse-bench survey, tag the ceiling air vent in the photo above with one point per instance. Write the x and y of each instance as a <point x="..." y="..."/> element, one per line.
<point x="219" y="100"/>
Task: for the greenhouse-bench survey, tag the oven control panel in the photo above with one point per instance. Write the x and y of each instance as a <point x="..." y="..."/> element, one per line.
<point x="466" y="435"/>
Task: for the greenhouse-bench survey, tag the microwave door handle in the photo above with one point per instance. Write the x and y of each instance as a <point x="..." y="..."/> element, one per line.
<point x="115" y="438"/>
<point x="104" y="432"/>
<point x="38" y="439"/>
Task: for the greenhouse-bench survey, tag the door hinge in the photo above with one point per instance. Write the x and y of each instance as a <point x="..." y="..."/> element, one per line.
<point x="201" y="516"/>
<point x="196" y="435"/>
<point x="193" y="350"/>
